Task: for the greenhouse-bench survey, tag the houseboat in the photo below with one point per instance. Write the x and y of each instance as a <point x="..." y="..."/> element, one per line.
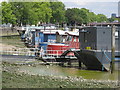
<point x="53" y="42"/>
<point x="64" y="41"/>
<point x="96" y="49"/>
<point x="33" y="35"/>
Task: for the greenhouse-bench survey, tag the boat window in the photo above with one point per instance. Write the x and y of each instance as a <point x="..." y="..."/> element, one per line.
<point x="116" y="35"/>
<point x="69" y="38"/>
<point x="62" y="39"/>
<point x="74" y="39"/>
<point x="37" y="34"/>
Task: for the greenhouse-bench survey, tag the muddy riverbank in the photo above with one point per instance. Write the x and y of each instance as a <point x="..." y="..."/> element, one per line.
<point x="15" y="77"/>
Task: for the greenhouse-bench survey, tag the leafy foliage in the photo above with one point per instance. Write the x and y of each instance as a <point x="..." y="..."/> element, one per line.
<point x="112" y="19"/>
<point x="101" y="18"/>
<point x="58" y="12"/>
<point x="47" y="12"/>
<point x="83" y="16"/>
<point x="43" y="11"/>
<point x="7" y="13"/>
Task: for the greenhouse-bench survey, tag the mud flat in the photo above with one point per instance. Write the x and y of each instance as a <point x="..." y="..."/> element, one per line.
<point x="13" y="77"/>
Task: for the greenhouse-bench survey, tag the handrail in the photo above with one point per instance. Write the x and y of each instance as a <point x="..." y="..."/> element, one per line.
<point x="28" y="52"/>
<point x="106" y="55"/>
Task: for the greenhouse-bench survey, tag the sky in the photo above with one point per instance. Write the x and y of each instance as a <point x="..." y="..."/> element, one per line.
<point x="106" y="7"/>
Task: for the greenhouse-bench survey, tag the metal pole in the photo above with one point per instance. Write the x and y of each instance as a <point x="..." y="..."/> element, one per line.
<point x="112" y="48"/>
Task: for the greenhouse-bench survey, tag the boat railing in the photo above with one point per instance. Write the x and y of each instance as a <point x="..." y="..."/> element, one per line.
<point x="35" y="52"/>
<point x="53" y="53"/>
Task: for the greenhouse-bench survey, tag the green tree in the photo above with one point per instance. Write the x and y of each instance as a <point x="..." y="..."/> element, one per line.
<point x="58" y="12"/>
<point x="7" y="13"/>
<point x="43" y="11"/>
<point x="112" y="19"/>
<point x="0" y="13"/>
<point x="101" y="18"/>
<point x="76" y="16"/>
<point x="72" y="16"/>
<point x="24" y="13"/>
<point x="84" y="14"/>
<point x="92" y="17"/>
<point x="32" y="12"/>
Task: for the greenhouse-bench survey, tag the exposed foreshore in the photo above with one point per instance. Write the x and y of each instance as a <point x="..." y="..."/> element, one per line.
<point x="17" y="79"/>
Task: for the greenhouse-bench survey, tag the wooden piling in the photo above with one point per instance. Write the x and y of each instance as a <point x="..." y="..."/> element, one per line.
<point x="69" y="63"/>
<point x="112" y="49"/>
<point x="79" y="63"/>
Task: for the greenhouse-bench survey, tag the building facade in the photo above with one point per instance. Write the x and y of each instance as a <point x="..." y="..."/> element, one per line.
<point x="113" y="15"/>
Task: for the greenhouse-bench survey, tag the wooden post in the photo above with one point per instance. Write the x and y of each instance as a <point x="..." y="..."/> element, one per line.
<point x="79" y="63"/>
<point x="69" y="63"/>
<point x="112" y="48"/>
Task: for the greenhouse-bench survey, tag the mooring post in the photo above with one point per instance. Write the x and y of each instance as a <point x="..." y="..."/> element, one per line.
<point x="79" y="63"/>
<point x="112" y="48"/>
<point x="69" y="63"/>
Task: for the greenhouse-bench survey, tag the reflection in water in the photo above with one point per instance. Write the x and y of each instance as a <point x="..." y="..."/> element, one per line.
<point x="61" y="71"/>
